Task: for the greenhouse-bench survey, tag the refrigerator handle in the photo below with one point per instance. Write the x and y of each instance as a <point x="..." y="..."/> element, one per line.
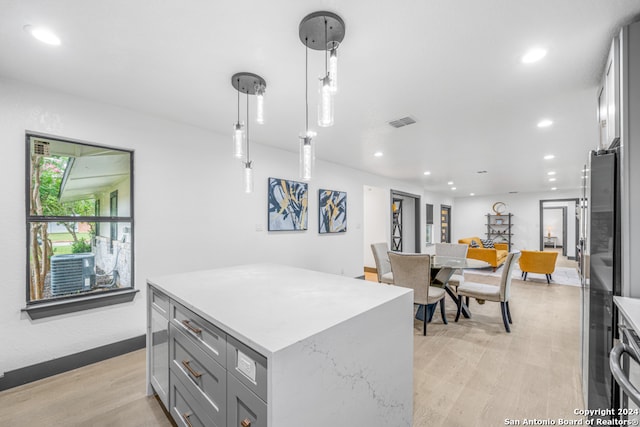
<point x="616" y="370"/>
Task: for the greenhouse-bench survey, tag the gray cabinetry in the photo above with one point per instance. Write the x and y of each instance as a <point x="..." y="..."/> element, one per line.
<point x="203" y="376"/>
<point x="158" y="343"/>
<point x="609" y="98"/>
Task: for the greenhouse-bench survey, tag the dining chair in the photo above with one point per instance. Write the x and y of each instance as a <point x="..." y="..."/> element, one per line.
<point x="501" y="293"/>
<point x="383" y="267"/>
<point x="413" y="271"/>
<point x="455" y="250"/>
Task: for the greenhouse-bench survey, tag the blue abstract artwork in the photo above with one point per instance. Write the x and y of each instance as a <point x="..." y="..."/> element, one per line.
<point x="288" y="203"/>
<point x="332" y="217"/>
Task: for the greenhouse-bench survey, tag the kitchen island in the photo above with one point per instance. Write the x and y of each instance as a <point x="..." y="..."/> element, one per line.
<point x="271" y="345"/>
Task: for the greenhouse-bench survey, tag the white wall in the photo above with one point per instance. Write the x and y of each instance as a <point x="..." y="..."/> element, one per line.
<point x="470" y="217"/>
<point x="376" y="220"/>
<point x="190" y="213"/>
<point x="552" y="224"/>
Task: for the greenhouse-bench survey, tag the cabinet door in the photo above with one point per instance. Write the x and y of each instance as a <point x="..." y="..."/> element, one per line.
<point x="612" y="84"/>
<point x="244" y="408"/>
<point x="602" y="115"/>
<point x="159" y="346"/>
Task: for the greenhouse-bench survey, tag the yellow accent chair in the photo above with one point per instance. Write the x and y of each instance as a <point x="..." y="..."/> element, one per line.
<point x="494" y="256"/>
<point x="538" y="262"/>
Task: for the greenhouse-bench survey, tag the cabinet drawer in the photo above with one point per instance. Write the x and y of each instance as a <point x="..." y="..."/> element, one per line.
<point x="185" y="410"/>
<point x="159" y="301"/>
<point x="248" y="366"/>
<point x="244" y="408"/>
<point x="211" y="339"/>
<point x="202" y="376"/>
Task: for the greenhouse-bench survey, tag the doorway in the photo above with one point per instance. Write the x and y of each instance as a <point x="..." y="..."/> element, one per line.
<point x="445" y="226"/>
<point x="405" y="222"/>
<point x="559" y="226"/>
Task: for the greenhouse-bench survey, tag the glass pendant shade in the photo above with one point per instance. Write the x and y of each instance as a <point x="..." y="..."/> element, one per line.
<point x="325" y="101"/>
<point x="239" y="138"/>
<point x="333" y="70"/>
<point x="260" y="104"/>
<point x="307" y="158"/>
<point x="248" y="178"/>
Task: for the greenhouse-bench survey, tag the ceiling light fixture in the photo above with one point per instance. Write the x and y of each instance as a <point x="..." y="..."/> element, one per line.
<point x="378" y="154"/>
<point x="549" y="157"/>
<point x="324" y="31"/>
<point x="43" y="34"/>
<point x="450" y="183"/>
<point x="427" y="173"/>
<point x="534" y="55"/>
<point x="552" y="179"/>
<point x="551" y="173"/>
<point x="554" y="188"/>
<point x="249" y="84"/>
<point x="453" y="188"/>
<point x="472" y="194"/>
<point x="545" y="123"/>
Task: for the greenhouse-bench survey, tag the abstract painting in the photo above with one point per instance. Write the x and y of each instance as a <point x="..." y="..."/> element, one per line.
<point x="332" y="217"/>
<point x="288" y="202"/>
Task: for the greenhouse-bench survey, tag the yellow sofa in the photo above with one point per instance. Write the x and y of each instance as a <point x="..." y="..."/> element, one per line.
<point x="538" y="262"/>
<point x="494" y="256"/>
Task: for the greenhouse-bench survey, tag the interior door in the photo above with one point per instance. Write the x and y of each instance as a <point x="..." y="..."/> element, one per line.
<point x="445" y="229"/>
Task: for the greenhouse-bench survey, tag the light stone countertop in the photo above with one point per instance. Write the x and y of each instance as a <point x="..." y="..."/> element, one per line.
<point x="630" y="309"/>
<point x="270" y="306"/>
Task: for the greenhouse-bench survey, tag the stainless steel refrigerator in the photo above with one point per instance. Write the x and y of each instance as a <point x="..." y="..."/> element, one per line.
<point x="599" y="312"/>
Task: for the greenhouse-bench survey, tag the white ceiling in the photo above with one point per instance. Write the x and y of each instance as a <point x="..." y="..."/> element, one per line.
<point x="454" y="65"/>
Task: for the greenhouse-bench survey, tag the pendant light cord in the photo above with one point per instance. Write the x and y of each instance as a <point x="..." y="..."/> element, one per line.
<point x="238" y="79"/>
<point x="326" y="60"/>
<point x="306" y="85"/>
<point x="247" y="124"/>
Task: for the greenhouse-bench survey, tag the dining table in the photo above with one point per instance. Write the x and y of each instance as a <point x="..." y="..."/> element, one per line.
<point x="442" y="268"/>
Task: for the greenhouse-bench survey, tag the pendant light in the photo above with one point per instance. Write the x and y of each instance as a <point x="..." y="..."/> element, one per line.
<point x="239" y="134"/>
<point x="249" y="84"/>
<point x="324" y="31"/>
<point x="307" y="154"/>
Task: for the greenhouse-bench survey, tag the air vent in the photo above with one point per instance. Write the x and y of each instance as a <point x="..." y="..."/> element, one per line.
<point x="481" y="172"/>
<point x="405" y="121"/>
<point x="41" y="148"/>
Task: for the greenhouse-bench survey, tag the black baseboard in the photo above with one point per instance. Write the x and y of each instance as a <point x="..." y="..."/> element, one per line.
<point x="67" y="363"/>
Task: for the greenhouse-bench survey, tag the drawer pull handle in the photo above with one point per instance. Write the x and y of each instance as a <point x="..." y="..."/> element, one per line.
<point x="187" y="365"/>
<point x="246" y="422"/>
<point x="192" y="328"/>
<point x="186" y="416"/>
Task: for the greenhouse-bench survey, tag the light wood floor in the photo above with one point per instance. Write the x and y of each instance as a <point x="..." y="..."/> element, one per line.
<point x="467" y="374"/>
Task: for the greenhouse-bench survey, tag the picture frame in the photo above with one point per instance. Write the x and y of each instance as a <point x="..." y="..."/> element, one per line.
<point x="332" y="211"/>
<point x="288" y="203"/>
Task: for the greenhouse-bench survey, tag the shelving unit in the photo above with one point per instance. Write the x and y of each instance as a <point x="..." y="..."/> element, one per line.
<point x="499" y="228"/>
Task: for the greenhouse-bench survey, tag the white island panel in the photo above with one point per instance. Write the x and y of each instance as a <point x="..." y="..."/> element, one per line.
<point x="357" y="373"/>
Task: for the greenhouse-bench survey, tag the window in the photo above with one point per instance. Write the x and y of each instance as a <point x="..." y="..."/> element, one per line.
<point x="75" y="249"/>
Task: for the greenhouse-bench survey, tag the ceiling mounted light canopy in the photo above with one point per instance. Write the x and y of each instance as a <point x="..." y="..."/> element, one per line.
<point x="249" y="84"/>
<point x="324" y="31"/>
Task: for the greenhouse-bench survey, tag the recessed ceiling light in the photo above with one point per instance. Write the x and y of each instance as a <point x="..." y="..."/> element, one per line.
<point x="450" y="183"/>
<point x="472" y="194"/>
<point x="554" y="188"/>
<point x="534" y="55"/>
<point x="551" y="173"/>
<point x="453" y="188"/>
<point x="43" y="34"/>
<point x="545" y="123"/>
<point x="551" y="179"/>
<point x="549" y="157"/>
<point x="427" y="173"/>
<point x="378" y="154"/>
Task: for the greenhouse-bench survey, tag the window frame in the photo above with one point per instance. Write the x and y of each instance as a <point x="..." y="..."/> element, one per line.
<point x="77" y="302"/>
